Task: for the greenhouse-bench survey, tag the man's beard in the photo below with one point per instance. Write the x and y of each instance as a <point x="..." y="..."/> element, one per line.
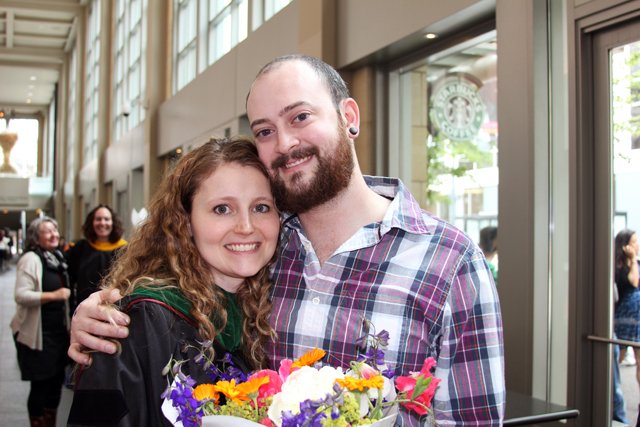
<point x="332" y="175"/>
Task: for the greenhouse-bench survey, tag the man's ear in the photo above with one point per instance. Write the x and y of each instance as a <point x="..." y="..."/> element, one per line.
<point x="351" y="113"/>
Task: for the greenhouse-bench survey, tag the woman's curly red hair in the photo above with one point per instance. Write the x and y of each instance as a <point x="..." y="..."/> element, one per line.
<point x="162" y="251"/>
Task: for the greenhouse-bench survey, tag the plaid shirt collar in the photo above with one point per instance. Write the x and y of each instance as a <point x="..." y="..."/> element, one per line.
<point x="403" y="213"/>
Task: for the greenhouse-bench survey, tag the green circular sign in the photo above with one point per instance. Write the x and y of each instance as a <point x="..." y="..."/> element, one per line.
<point x="458" y="111"/>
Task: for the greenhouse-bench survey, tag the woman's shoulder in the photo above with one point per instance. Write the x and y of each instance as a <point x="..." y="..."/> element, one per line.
<point x="157" y="306"/>
<point x="29" y="258"/>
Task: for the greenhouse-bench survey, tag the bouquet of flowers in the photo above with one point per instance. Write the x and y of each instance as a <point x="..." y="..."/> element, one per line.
<point x="299" y="394"/>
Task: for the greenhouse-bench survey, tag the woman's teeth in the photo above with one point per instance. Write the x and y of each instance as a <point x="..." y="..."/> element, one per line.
<point x="242" y="248"/>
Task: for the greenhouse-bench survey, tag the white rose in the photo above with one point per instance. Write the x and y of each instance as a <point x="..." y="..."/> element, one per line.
<point x="305" y="383"/>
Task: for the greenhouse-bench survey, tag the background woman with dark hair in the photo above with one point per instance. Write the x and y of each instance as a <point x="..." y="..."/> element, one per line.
<point x="90" y="258"/>
<point x="40" y="325"/>
<point x="627" y="315"/>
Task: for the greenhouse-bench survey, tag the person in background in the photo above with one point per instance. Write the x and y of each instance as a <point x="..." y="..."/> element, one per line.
<point x="196" y="269"/>
<point x="62" y="246"/>
<point x="489" y="246"/>
<point x="5" y="250"/>
<point x="627" y="277"/>
<point x="90" y="258"/>
<point x="357" y="247"/>
<point x="40" y="325"/>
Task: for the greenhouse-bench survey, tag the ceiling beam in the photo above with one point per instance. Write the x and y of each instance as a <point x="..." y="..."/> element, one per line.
<point x="33" y="51"/>
<point x="72" y="35"/>
<point x="31" y="64"/>
<point x="9" y="32"/>
<point x="52" y="6"/>
<point x="36" y="21"/>
<point x="42" y="38"/>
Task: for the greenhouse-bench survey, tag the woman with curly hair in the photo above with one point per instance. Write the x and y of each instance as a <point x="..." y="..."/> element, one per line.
<point x="90" y="258"/>
<point x="197" y="269"/>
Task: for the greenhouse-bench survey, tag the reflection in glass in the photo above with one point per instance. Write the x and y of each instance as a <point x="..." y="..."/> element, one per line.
<point x="454" y="135"/>
<point x="625" y="150"/>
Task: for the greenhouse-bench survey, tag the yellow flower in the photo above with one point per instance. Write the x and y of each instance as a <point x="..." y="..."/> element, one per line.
<point x="252" y="386"/>
<point x="309" y="358"/>
<point x="230" y="390"/>
<point x="361" y="383"/>
<point x="206" y="391"/>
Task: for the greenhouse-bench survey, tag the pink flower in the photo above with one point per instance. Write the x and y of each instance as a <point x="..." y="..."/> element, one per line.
<point x="367" y="371"/>
<point x="266" y="421"/>
<point x="408" y="384"/>
<point x="272" y="387"/>
<point x="285" y="368"/>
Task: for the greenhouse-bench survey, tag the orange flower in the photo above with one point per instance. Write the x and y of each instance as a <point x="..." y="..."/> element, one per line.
<point x="361" y="383"/>
<point x="309" y="358"/>
<point x="252" y="386"/>
<point x="206" y="391"/>
<point x="230" y="390"/>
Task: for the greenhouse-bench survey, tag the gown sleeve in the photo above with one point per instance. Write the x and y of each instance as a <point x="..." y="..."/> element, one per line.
<point x="124" y="390"/>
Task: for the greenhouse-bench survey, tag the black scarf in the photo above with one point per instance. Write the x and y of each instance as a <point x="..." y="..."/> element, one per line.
<point x="53" y="261"/>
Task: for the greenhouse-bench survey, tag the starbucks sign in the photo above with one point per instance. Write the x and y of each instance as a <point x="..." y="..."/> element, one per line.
<point x="458" y="110"/>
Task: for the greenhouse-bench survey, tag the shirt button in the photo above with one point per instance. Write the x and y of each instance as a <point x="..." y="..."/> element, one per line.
<point x="306" y="246"/>
<point x="316" y="301"/>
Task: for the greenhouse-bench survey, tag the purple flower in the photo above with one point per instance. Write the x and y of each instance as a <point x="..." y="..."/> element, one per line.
<point x="389" y="373"/>
<point x="373" y="357"/>
<point x="227" y="359"/>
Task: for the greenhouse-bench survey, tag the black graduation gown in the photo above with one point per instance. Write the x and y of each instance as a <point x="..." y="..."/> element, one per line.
<point x="125" y="390"/>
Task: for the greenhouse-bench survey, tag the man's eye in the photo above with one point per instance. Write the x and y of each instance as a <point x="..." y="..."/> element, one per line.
<point x="263" y="133"/>
<point x="302" y="117"/>
<point x="221" y="209"/>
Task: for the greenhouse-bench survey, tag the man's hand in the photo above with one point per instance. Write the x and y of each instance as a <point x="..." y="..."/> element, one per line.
<point x="93" y="318"/>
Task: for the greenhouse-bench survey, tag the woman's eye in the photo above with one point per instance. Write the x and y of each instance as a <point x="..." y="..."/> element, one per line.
<point x="262" y="208"/>
<point x="221" y="209"/>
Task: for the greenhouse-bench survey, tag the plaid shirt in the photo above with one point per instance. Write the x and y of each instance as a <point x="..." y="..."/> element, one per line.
<point x="417" y="277"/>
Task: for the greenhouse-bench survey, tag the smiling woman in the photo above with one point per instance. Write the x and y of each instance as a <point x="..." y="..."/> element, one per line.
<point x="39" y="326"/>
<point x="196" y="270"/>
<point x="90" y="258"/>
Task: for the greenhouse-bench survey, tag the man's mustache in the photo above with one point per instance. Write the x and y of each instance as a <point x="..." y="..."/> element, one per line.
<point x="298" y="153"/>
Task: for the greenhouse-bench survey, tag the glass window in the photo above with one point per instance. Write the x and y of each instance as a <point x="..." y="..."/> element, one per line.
<point x="71" y="114"/>
<point x="448" y="132"/>
<point x="129" y="65"/>
<point x="24" y="154"/>
<point x="227" y="26"/>
<point x="92" y="78"/>
<point x="271" y="7"/>
<point x="186" y="29"/>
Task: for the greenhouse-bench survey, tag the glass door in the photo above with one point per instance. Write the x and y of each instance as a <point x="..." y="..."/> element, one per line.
<point x="616" y="77"/>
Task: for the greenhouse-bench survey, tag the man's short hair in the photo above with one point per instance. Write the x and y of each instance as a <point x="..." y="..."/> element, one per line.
<point x="330" y="77"/>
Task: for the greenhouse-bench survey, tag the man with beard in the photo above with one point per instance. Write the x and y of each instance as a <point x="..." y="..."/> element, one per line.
<point x="358" y="250"/>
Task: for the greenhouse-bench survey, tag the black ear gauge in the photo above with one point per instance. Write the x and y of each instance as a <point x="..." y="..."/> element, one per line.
<point x="353" y="131"/>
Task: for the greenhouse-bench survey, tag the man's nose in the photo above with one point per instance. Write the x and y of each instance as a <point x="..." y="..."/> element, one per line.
<point x="287" y="141"/>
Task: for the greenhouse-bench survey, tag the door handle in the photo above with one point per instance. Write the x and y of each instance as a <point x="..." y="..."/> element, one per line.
<point x="612" y="341"/>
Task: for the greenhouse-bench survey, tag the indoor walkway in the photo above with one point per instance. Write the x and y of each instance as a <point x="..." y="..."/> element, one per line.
<point x="13" y="391"/>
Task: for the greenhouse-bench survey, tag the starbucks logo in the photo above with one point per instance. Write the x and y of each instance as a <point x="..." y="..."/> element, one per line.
<point x="458" y="111"/>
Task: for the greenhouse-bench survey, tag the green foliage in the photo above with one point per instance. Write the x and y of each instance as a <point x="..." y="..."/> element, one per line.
<point x="438" y="150"/>
<point x="629" y="84"/>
